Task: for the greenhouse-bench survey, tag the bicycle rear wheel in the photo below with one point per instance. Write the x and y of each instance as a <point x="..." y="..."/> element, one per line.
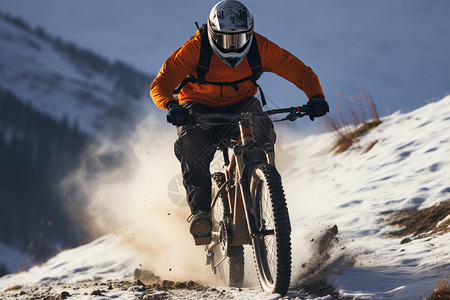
<point x="230" y="270"/>
<point x="272" y="245"/>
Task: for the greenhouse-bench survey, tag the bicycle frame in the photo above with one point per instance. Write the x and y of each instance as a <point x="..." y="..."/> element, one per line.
<point x="243" y="223"/>
<point x="243" y="226"/>
<point x="254" y="211"/>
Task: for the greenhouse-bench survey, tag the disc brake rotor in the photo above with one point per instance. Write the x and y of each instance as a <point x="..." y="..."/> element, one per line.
<point x="223" y="238"/>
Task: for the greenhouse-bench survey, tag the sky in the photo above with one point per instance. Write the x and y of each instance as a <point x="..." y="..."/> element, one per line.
<point x="396" y="50"/>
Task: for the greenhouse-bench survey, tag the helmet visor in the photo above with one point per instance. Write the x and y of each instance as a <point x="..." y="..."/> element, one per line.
<point x="232" y="41"/>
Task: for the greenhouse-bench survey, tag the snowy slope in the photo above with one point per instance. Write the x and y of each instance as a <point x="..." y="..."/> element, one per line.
<point x="407" y="168"/>
<point x="33" y="69"/>
<point x="12" y="260"/>
<point x="104" y="258"/>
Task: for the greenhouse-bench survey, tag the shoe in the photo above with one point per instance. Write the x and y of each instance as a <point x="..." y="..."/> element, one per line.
<point x="201" y="226"/>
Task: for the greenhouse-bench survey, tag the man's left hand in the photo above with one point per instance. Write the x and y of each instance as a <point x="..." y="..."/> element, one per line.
<point x="317" y="106"/>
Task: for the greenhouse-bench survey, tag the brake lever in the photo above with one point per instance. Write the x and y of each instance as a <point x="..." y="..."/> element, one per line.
<point x="292" y="116"/>
<point x="298" y="112"/>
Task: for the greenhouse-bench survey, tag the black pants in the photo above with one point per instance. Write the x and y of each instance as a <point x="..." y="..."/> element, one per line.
<point x="195" y="148"/>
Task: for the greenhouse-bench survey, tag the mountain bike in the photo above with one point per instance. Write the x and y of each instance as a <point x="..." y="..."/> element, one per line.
<point x="248" y="206"/>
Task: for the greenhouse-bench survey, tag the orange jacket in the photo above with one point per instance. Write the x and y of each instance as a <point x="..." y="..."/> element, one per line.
<point x="184" y="61"/>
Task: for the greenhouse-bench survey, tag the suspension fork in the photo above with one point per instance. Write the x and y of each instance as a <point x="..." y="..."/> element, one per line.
<point x="240" y="200"/>
<point x="243" y="170"/>
<point x="250" y="215"/>
<point x="243" y="191"/>
<point x="270" y="154"/>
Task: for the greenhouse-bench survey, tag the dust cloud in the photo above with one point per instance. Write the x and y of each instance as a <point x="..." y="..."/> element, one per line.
<point x="124" y="186"/>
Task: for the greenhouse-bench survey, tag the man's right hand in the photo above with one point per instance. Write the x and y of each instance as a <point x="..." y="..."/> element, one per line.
<point x="178" y="115"/>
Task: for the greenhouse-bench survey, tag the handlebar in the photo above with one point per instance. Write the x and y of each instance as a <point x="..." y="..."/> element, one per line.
<point x="294" y="109"/>
<point x="212" y="118"/>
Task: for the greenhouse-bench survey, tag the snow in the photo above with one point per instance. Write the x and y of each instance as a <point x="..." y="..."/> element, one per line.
<point x="407" y="168"/>
<point x="99" y="257"/>
<point x="12" y="259"/>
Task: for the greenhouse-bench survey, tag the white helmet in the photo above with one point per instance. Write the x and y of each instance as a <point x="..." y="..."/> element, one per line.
<point x="230" y="31"/>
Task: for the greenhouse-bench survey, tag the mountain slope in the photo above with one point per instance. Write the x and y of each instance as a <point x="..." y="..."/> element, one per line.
<point x="406" y="169"/>
<point x="60" y="79"/>
<point x="56" y="101"/>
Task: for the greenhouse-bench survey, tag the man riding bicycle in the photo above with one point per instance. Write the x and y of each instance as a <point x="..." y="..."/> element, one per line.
<point x="216" y="71"/>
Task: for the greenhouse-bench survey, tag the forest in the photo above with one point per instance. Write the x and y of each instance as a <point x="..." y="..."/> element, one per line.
<point x="36" y="151"/>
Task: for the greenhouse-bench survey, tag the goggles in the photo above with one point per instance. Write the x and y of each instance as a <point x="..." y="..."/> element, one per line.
<point x="232" y="41"/>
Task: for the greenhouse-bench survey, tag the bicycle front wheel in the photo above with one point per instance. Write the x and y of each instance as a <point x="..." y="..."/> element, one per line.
<point x="272" y="243"/>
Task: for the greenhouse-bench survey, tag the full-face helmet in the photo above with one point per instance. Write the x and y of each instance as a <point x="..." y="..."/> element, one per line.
<point x="230" y="31"/>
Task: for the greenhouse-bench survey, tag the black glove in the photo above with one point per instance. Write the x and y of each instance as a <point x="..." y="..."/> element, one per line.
<point x="178" y="115"/>
<point x="317" y="106"/>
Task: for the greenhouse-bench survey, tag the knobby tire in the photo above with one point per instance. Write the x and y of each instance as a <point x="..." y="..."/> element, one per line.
<point x="272" y="247"/>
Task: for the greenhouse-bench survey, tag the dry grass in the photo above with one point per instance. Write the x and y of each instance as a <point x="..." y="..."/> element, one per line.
<point x="358" y="117"/>
<point x="13" y="288"/>
<point x="420" y="223"/>
<point x="442" y="291"/>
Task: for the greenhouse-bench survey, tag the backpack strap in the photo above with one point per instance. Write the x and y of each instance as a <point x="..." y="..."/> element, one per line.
<point x="205" y="55"/>
<point x="254" y="60"/>
<point x="203" y="62"/>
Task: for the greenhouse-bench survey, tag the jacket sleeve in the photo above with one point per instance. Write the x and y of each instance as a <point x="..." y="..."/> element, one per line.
<point x="279" y="61"/>
<point x="179" y="65"/>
